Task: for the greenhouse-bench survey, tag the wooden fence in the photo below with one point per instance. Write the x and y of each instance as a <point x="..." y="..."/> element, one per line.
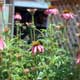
<point x="73" y="30"/>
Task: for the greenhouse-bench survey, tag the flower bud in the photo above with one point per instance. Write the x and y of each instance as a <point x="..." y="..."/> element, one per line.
<point x="25" y="71"/>
<point x="77" y="34"/>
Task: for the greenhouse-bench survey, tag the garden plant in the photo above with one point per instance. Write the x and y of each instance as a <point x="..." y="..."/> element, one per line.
<point x="42" y="59"/>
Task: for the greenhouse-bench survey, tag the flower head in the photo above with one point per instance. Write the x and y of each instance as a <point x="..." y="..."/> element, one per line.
<point x="17" y="16"/>
<point x="59" y="26"/>
<point x="66" y="11"/>
<point x="2" y="44"/>
<point x="51" y="10"/>
<point x="67" y="14"/>
<point x="26" y="71"/>
<point x="37" y="47"/>
<point x="6" y="29"/>
<point x="18" y="56"/>
<point x="35" y="43"/>
<point x="78" y="24"/>
<point x="1" y="3"/>
<point x="51" y="7"/>
<point x="32" y="10"/>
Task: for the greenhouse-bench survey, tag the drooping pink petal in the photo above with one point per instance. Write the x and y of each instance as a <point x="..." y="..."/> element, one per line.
<point x="78" y="61"/>
<point x="40" y="48"/>
<point x="78" y="58"/>
<point x="34" y="50"/>
<point x="2" y="44"/>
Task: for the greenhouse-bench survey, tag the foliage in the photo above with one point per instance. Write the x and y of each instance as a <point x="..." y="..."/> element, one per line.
<point x="18" y="63"/>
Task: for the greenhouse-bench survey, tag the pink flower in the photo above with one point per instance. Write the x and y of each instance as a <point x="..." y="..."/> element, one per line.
<point x="53" y="11"/>
<point x="67" y="16"/>
<point x="2" y="44"/>
<point x="78" y="58"/>
<point x="38" y="48"/>
<point x="17" y="16"/>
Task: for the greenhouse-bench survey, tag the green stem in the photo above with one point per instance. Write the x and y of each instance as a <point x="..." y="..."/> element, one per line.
<point x="34" y="34"/>
<point x="33" y="26"/>
<point x="50" y="24"/>
<point x="66" y="35"/>
<point x="33" y="19"/>
<point x="17" y="30"/>
<point x="39" y="31"/>
<point x="31" y="34"/>
<point x="20" y="33"/>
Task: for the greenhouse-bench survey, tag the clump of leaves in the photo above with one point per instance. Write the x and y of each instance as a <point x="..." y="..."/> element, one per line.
<point x="18" y="63"/>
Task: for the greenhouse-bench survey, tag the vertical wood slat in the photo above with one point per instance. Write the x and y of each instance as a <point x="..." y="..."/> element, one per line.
<point x="1" y="15"/>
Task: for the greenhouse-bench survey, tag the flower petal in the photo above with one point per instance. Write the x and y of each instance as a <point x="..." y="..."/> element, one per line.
<point x="40" y="48"/>
<point x="2" y="44"/>
<point x="34" y="50"/>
